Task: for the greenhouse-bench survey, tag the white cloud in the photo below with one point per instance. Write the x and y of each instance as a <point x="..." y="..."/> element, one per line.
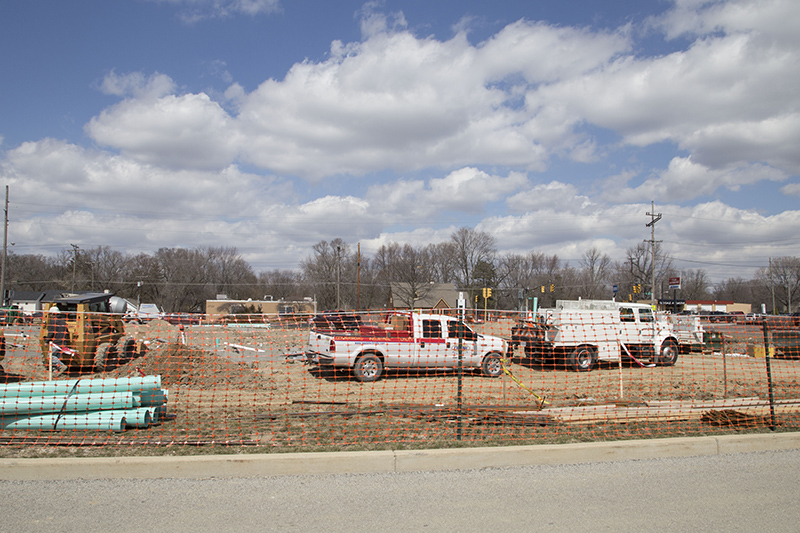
<point x="554" y="195"/>
<point x="542" y="53"/>
<point x="712" y="236"/>
<point x="703" y="17"/>
<point x="400" y="102"/>
<point x="467" y="190"/>
<point x="188" y="131"/>
<point x="112" y="199"/>
<point x="135" y="84"/>
<point x="792" y="189"/>
<point x="685" y="179"/>
<point x="374" y="21"/>
<point x="191" y="11"/>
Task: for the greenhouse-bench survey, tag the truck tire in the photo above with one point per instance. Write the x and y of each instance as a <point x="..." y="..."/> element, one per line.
<point x="669" y="353"/>
<point x="492" y="365"/>
<point x="102" y="356"/>
<point x="368" y="368"/>
<point x="581" y="359"/>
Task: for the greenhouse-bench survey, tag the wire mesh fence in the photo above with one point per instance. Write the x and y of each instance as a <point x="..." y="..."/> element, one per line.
<point x="253" y="380"/>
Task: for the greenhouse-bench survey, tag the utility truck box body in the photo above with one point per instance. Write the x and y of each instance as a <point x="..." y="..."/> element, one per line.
<point x="580" y="333"/>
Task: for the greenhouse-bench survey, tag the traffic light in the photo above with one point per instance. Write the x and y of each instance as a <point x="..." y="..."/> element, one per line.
<point x="552" y="287"/>
<point x="542" y="288"/>
<point x="487" y="293"/>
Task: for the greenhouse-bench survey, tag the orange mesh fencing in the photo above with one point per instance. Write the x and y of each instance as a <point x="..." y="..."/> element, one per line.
<point x="255" y="380"/>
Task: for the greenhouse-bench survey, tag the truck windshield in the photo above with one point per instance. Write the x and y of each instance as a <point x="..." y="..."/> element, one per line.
<point x="646" y="315"/>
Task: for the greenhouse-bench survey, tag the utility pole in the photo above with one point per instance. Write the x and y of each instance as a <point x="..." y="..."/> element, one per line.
<point x="772" y="286"/>
<point x="5" y="255"/>
<point x="338" y="273"/>
<point x="652" y="225"/>
<point x="75" y="250"/>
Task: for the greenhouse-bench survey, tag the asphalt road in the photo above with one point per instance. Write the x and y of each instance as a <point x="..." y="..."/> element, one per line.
<point x="740" y="492"/>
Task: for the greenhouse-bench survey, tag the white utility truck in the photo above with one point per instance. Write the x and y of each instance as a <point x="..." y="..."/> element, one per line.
<point x="403" y="340"/>
<point x="579" y="333"/>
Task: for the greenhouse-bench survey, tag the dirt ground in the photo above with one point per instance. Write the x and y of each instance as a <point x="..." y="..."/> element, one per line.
<point x="235" y="384"/>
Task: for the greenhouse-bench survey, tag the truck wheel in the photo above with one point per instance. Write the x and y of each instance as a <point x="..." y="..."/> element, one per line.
<point x="581" y="359"/>
<point x="669" y="353"/>
<point x="102" y="355"/>
<point x="368" y="368"/>
<point x="492" y="366"/>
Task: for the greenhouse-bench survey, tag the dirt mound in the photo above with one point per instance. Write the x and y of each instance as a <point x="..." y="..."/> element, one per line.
<point x="180" y="365"/>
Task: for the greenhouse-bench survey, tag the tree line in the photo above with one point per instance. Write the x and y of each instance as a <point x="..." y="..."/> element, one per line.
<point x="338" y="276"/>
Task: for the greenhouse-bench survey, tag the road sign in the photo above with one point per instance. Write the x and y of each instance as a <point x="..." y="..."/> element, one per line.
<point x="674" y="283"/>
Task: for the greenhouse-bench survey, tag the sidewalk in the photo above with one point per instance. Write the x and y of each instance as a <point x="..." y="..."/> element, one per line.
<point x="282" y="464"/>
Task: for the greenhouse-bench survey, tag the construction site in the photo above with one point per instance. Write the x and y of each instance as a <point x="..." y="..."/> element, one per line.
<point x="250" y="384"/>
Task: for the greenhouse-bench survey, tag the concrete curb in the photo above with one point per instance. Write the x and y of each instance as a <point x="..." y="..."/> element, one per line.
<point x="282" y="464"/>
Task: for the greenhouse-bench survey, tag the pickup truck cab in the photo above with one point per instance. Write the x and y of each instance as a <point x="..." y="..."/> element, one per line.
<point x="406" y="340"/>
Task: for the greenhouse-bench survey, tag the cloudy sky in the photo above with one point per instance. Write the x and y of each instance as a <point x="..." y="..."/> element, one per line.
<point x="270" y="125"/>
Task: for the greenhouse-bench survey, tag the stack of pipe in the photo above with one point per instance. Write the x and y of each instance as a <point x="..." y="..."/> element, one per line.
<point x="110" y="404"/>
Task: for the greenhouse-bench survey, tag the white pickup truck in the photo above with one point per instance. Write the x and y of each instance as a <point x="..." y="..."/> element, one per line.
<point x="405" y="340"/>
<point x="579" y="333"/>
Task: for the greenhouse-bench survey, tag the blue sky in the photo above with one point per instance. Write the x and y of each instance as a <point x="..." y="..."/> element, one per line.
<point x="271" y="125"/>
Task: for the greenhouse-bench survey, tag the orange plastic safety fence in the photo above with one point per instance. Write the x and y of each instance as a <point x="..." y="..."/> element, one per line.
<point x="396" y="378"/>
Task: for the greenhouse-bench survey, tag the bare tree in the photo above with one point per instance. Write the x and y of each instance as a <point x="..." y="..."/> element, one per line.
<point x="596" y="267"/>
<point x="471" y="247"/>
<point x="280" y="285"/>
<point x="441" y="261"/>
<point x="34" y="273"/>
<point x="534" y="275"/>
<point x="636" y="270"/>
<point x="184" y="279"/>
<point x="331" y="274"/>
<point x="408" y="271"/>
<point x="143" y="280"/>
<point x="695" y="285"/>
<point x="230" y="274"/>
<point x="781" y="279"/>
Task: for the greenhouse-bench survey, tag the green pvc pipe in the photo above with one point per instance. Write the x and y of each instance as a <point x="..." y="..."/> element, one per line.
<point x="138" y="418"/>
<point x="152" y="398"/>
<point x="96" y="421"/>
<point x="84" y="386"/>
<point x="77" y="403"/>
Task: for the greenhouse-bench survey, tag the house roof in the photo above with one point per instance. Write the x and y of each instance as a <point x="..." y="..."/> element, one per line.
<point x="428" y="295"/>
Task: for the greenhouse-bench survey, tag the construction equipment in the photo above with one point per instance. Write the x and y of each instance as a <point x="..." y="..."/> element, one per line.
<point x="92" y="333"/>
